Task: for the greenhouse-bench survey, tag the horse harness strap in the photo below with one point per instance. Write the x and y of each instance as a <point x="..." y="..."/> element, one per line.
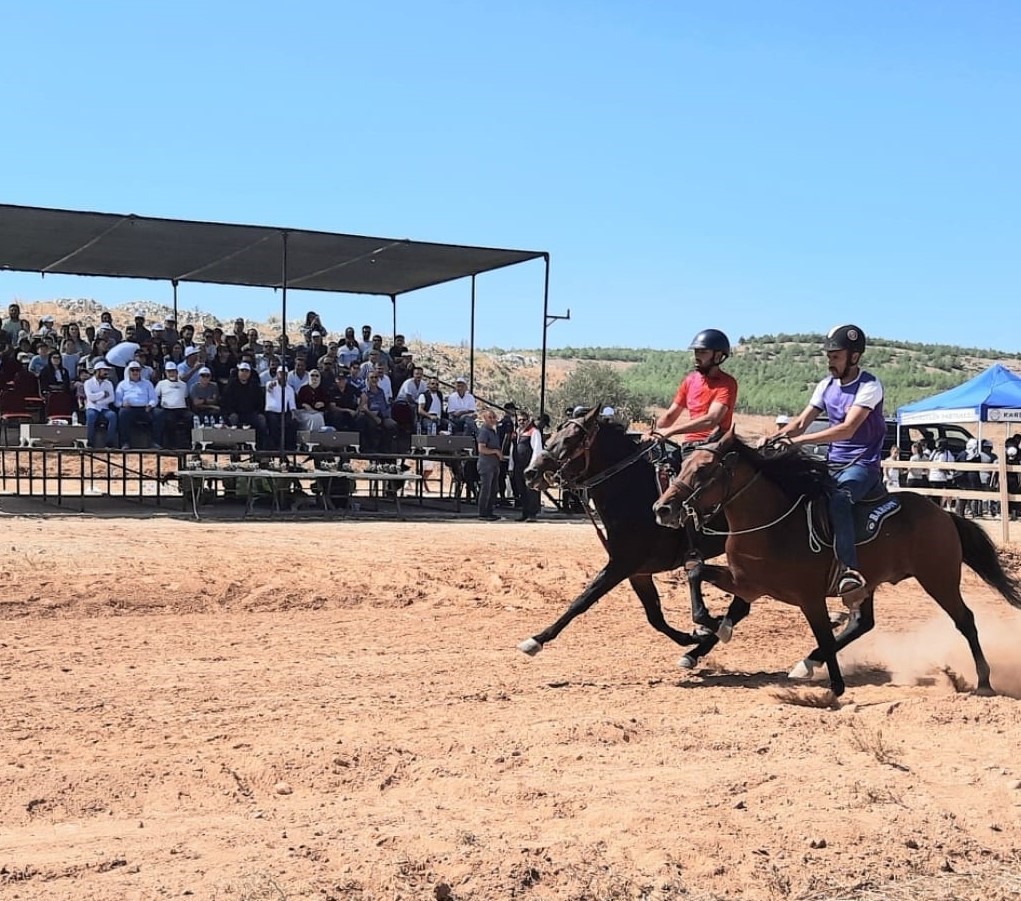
<point x="611" y="471"/>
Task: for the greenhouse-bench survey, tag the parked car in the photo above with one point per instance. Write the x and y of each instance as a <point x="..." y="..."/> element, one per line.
<point x="955" y="435"/>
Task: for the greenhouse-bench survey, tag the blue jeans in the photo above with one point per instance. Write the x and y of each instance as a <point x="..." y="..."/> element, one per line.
<point x="853" y="483"/>
<point x="92" y="416"/>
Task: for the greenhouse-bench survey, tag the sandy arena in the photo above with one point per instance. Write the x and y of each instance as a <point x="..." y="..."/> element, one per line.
<point x="359" y="729"/>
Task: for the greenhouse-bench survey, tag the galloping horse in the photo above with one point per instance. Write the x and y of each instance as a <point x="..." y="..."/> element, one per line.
<point x="774" y="547"/>
<point x="600" y="457"/>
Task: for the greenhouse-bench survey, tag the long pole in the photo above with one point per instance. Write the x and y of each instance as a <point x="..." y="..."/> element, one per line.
<point x="545" y="326"/>
<point x="393" y="304"/>
<point x="471" y="345"/>
<point x="174" y="283"/>
<point x="283" y="354"/>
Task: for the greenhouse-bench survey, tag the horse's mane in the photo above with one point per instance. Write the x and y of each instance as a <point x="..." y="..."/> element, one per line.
<point x="615" y="441"/>
<point x="792" y="470"/>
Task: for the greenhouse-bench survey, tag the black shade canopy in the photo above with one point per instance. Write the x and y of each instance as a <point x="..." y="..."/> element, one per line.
<point x="71" y="242"/>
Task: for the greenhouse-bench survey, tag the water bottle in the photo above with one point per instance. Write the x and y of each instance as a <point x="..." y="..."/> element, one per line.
<point x="74" y="418"/>
<point x="209" y="422"/>
<point x="196" y="422"/>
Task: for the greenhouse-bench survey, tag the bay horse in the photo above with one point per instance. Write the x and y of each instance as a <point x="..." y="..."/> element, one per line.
<point x="773" y="545"/>
<point x="585" y="453"/>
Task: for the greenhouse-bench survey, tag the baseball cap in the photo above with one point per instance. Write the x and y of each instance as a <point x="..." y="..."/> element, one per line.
<point x="188" y="351"/>
<point x="782" y="419"/>
<point x="205" y="370"/>
<point x="317" y="334"/>
<point x="24" y="357"/>
<point x="48" y="318"/>
<point x="608" y="412"/>
<point x="140" y="314"/>
<point x="134" y="364"/>
<point x="245" y="366"/>
<point x="170" y="366"/>
<point x="460" y="380"/>
<point x="100" y="364"/>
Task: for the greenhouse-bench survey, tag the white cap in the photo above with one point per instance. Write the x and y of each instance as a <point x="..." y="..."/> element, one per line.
<point x="782" y="419"/>
<point x="134" y="364"/>
<point x="608" y="412"/>
<point x="100" y="364"/>
<point x="24" y="357"/>
<point x="47" y="318"/>
<point x="170" y="366"/>
<point x="317" y="334"/>
<point x="188" y="351"/>
<point x="245" y="366"/>
<point x="460" y="380"/>
<point x="170" y="319"/>
<point x="106" y="327"/>
<point x="139" y="314"/>
<point x="205" y="370"/>
<point x="1011" y="451"/>
<point x="971" y="445"/>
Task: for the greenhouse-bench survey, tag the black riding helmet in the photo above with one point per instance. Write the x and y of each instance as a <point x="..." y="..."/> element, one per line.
<point x="845" y="337"/>
<point x="711" y="339"/>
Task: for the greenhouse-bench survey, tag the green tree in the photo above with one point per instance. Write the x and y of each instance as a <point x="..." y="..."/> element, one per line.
<point x="597" y="383"/>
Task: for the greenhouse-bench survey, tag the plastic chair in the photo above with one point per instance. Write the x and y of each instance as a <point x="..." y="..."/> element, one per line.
<point x="60" y="405"/>
<point x="13" y="409"/>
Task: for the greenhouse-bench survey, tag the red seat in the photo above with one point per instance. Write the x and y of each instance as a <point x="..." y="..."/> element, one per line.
<point x="59" y="405"/>
<point x="13" y="409"/>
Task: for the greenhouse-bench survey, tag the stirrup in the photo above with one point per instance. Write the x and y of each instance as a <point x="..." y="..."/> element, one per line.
<point x="850" y="581"/>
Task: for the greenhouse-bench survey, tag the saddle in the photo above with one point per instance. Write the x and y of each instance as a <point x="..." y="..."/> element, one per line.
<point x="869" y="515"/>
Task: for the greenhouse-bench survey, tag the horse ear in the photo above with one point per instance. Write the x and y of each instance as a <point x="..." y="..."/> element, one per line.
<point x="730" y="436"/>
<point x="593" y="414"/>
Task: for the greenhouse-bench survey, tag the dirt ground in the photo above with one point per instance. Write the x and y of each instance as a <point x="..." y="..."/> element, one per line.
<point x="337" y="710"/>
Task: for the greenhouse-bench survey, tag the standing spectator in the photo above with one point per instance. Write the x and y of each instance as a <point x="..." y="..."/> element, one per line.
<point x="942" y="478"/>
<point x="142" y="334"/>
<point x="366" y="343"/>
<point x="114" y="334"/>
<point x="74" y="334"/>
<point x="99" y="400"/>
<point x="461" y="409"/>
<point x="136" y="398"/>
<point x="316" y="350"/>
<point x="506" y="428"/>
<point x="527" y="445"/>
<point x="172" y="406"/>
<point x="490" y="457"/>
<point x="280" y="406"/>
<point x="70" y="355"/>
<point x="349" y="352"/>
<point x="12" y="324"/>
<point x="312" y="325"/>
<point x="170" y="333"/>
<point x="892" y="477"/>
<point x="919" y="476"/>
<point x="222" y="366"/>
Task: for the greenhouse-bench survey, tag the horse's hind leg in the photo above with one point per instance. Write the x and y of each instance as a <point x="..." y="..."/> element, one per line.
<point x="859" y="623"/>
<point x="738" y="610"/>
<point x="645" y="588"/>
<point x="948" y="595"/>
<point x="607" y="578"/>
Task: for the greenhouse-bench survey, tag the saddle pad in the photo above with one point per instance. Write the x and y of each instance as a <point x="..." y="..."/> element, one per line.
<point x="869" y="516"/>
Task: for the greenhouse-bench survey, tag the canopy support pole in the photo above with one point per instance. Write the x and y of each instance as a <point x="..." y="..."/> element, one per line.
<point x="174" y="283"/>
<point x="471" y="344"/>
<point x="283" y="355"/>
<point x="393" y="304"/>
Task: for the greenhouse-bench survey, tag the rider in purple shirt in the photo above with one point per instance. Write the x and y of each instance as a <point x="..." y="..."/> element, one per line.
<point x="852" y="400"/>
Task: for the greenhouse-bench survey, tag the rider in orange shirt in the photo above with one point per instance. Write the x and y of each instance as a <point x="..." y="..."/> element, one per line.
<point x="708" y="394"/>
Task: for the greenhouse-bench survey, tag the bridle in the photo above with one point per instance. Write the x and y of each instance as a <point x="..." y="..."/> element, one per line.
<point x="584" y="452"/>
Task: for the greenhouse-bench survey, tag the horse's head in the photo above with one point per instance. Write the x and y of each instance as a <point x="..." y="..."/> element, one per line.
<point x="567" y="451"/>
<point x="702" y="484"/>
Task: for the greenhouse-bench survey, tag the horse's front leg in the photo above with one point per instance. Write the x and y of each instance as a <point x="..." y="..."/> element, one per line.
<point x="739" y="608"/>
<point x="645" y="588"/>
<point x="606" y="579"/>
<point x="819" y="619"/>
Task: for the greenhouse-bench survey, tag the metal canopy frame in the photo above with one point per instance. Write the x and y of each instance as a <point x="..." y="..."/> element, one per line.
<point x="116" y="245"/>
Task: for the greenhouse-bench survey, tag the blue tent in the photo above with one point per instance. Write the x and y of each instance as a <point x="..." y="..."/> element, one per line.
<point x="991" y="396"/>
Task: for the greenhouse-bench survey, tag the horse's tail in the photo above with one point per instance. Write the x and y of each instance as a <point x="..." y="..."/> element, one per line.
<point x="981" y="555"/>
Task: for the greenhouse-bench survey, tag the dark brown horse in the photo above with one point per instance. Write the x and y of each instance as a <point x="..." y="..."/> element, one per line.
<point x="599" y="457"/>
<point x="773" y="550"/>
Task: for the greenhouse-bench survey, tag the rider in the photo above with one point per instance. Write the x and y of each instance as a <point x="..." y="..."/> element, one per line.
<point x="707" y="393"/>
<point x="852" y="400"/>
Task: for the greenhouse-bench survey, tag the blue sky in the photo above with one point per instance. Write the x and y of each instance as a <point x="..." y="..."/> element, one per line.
<point x="753" y="166"/>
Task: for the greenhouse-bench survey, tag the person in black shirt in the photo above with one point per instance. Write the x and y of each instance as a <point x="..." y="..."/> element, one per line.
<point x="342" y="406"/>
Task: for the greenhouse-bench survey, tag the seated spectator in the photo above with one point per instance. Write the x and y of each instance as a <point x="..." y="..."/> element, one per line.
<point x="342" y="404"/>
<point x="384" y="381"/>
<point x="54" y="376"/>
<point x="136" y="398"/>
<point x="41" y="358"/>
<point x="316" y="349"/>
<point x="349" y="352"/>
<point x="399" y="348"/>
<point x="143" y="359"/>
<point x="430" y="408"/>
<point x="172" y="410"/>
<point x="243" y="402"/>
<point x="222" y="366"/>
<point x="461" y="410"/>
<point x="188" y="371"/>
<point x="70" y="356"/>
<point x="312" y="402"/>
<point x="370" y="363"/>
<point x="48" y="330"/>
<point x="25" y="383"/>
<point x="412" y="389"/>
<point x="99" y="401"/>
<point x="355" y="378"/>
<point x="280" y="406"/>
<point x="374" y="421"/>
<point x="204" y="395"/>
<point x="79" y="345"/>
<point x="299" y="378"/>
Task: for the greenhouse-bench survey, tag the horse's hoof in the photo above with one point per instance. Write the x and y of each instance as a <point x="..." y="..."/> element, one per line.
<point x="984" y="691"/>
<point x="530" y="647"/>
<point x="808" y="670"/>
<point x="725" y="631"/>
<point x="687" y="662"/>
